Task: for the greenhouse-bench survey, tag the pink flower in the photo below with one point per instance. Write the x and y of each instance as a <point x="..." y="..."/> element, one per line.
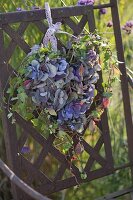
<point x="27" y="84"/>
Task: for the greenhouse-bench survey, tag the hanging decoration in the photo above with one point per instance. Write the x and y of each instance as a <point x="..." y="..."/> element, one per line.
<point x="58" y="90"/>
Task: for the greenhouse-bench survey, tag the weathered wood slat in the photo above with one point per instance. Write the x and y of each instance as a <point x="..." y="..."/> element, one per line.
<point x="60" y="172"/>
<point x="22" y="139"/>
<point x="9" y="129"/>
<point x="12" y="45"/>
<point x="44" y="152"/>
<point x="39" y="138"/>
<point x="124" y="80"/>
<point x="77" y="28"/>
<point x="31" y="170"/>
<point x="91" y="159"/>
<point x="92" y="152"/>
<point x="107" y="139"/>
<point x="63" y="184"/>
<point x="38" y="15"/>
<point x="116" y="194"/>
<point x="17" y="38"/>
<point x="91" y="21"/>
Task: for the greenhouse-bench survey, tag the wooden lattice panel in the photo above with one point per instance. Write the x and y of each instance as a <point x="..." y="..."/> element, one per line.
<point x="31" y="171"/>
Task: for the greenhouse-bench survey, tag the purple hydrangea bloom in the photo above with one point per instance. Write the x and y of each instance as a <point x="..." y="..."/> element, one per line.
<point x="71" y="111"/>
<point x="128" y="27"/>
<point x="78" y="76"/>
<point x="25" y="150"/>
<point x="18" y="9"/>
<point x="74" y="115"/>
<point x="65" y="90"/>
<point x="110" y="24"/>
<point x="86" y="2"/>
<point x="92" y="55"/>
<point x="61" y="65"/>
<point x="33" y="70"/>
<point x="102" y="11"/>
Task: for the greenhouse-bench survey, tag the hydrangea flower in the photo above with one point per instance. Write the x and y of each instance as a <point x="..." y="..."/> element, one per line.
<point x="86" y="2"/>
<point x="19" y="9"/>
<point x="62" y="65"/>
<point x="110" y="24"/>
<point x="25" y="150"/>
<point x="74" y="110"/>
<point x="65" y="90"/>
<point x="34" y="49"/>
<point x="102" y="11"/>
<point x="128" y="27"/>
<point x="92" y="55"/>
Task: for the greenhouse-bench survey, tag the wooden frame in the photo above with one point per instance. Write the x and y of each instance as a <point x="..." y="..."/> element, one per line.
<point x="13" y="145"/>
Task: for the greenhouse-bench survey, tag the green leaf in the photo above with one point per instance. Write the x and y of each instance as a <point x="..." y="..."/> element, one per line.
<point x="95" y="114"/>
<point x="20" y="89"/>
<point x="52" y="112"/>
<point x="83" y="175"/>
<point x="29" y="116"/>
<point x="10" y="114"/>
<point x="13" y="121"/>
<point x="10" y="91"/>
<point x="107" y="94"/>
<point x="66" y="147"/>
<point x="35" y="122"/>
<point x="22" y="96"/>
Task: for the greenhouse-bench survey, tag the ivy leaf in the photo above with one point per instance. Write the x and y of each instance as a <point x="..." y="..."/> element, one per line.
<point x="35" y="122"/>
<point x="95" y="114"/>
<point x="20" y="89"/>
<point x="29" y="116"/>
<point x="22" y="96"/>
<point x="13" y="121"/>
<point x="52" y="112"/>
<point x="10" y="114"/>
<point x="83" y="175"/>
<point x="10" y="91"/>
<point x="107" y="94"/>
<point x="66" y="147"/>
<point x="43" y="127"/>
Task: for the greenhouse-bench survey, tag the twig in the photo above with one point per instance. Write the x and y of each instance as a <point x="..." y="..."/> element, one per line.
<point x="21" y="184"/>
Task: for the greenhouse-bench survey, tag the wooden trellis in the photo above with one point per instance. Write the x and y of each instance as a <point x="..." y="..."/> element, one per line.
<point x="31" y="172"/>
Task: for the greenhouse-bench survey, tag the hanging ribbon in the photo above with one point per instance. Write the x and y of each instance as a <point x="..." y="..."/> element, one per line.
<point x="53" y="28"/>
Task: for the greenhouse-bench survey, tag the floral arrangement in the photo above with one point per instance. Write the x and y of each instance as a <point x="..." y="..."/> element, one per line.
<point x="62" y="84"/>
<point x="59" y="90"/>
<point x="62" y="88"/>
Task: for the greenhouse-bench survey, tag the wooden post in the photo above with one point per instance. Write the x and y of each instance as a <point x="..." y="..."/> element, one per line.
<point x="124" y="79"/>
<point x="8" y="129"/>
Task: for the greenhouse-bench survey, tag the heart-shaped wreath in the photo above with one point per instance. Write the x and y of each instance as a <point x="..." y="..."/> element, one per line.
<point x="62" y="84"/>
